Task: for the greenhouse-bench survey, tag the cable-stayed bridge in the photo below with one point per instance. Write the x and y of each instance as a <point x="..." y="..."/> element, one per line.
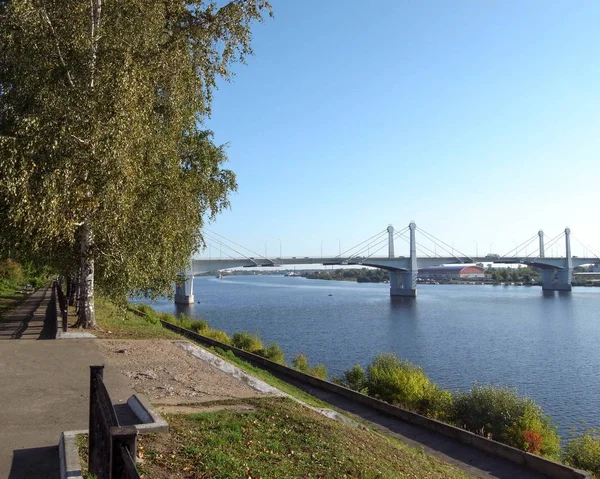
<point x="557" y="272"/>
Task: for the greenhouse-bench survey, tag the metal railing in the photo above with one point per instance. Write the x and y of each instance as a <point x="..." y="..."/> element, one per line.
<point x="63" y="309"/>
<point x="112" y="447"/>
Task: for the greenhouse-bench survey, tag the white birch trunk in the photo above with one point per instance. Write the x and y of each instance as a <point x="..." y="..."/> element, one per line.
<point x="86" y="314"/>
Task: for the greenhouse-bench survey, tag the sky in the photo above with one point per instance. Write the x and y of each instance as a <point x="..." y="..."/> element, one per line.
<point x="478" y="120"/>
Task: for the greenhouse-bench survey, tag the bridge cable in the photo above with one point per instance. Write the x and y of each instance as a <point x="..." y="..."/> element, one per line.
<point x="241" y="246"/>
<point x="368" y="247"/>
<point x="430" y="236"/>
<point x="421" y="247"/>
<point x="518" y="248"/>
<point x="374" y="244"/>
<point x="341" y="255"/>
<point x="221" y="243"/>
<point x="585" y="246"/>
<point x="221" y="252"/>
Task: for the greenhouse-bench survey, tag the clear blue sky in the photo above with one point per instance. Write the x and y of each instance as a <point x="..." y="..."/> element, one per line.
<point x="479" y="120"/>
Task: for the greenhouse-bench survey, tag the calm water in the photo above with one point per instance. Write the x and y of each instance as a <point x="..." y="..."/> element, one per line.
<point x="547" y="346"/>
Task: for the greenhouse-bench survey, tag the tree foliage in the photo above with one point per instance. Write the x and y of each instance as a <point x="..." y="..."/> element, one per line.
<point x="104" y="162"/>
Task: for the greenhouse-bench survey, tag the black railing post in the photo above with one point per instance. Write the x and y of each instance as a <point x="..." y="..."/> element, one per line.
<point x="124" y="446"/>
<point x="96" y="375"/>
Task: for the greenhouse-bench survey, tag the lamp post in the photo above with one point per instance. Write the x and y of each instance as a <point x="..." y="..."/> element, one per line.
<point x="339" y="247"/>
<point x="266" y="255"/>
<point x="476" y="250"/>
<point x="280" y="248"/>
<point x="321" y="249"/>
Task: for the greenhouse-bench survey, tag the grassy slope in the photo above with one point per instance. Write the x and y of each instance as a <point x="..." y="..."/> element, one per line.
<point x="278" y="439"/>
<point x="230" y="444"/>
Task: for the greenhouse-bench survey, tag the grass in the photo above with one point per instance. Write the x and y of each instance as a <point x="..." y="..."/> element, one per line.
<point x="278" y="439"/>
<point x="115" y="322"/>
<point x="9" y="298"/>
<point x="270" y="379"/>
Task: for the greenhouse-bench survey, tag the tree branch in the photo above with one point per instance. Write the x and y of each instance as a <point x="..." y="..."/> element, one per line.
<point x="46" y="18"/>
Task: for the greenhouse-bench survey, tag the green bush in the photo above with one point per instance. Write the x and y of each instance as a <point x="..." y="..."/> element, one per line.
<point x="151" y="318"/>
<point x="437" y="403"/>
<point x="11" y="271"/>
<point x="354" y="378"/>
<point x="37" y="282"/>
<point x="247" y="341"/>
<point x="319" y="371"/>
<point x="199" y="325"/>
<point x="217" y="335"/>
<point x="168" y="318"/>
<point x="144" y="308"/>
<point x="273" y="352"/>
<point x="583" y="452"/>
<point x="501" y="414"/>
<point x="397" y="381"/>
<point x="300" y="363"/>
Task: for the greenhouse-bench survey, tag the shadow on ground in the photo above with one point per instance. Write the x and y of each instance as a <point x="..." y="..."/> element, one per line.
<point x="35" y="463"/>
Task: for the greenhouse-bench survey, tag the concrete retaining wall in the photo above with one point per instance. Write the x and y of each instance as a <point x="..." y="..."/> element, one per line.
<point x="531" y="461"/>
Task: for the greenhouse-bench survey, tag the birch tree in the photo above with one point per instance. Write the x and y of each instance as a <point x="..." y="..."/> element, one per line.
<point x="103" y="158"/>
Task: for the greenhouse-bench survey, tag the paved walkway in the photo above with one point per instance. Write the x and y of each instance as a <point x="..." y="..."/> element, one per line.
<point x="43" y="390"/>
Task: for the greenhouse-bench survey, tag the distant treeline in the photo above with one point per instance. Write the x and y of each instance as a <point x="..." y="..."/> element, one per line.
<point x="517" y="275"/>
<point x="362" y="275"/>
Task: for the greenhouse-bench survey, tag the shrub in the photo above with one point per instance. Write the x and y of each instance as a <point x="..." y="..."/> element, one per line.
<point x="184" y="321"/>
<point x="437" y="403"/>
<point x="247" y="341"/>
<point x="144" y="308"/>
<point x="37" y="282"/>
<point x="584" y="451"/>
<point x="319" y="371"/>
<point x="501" y="414"/>
<point x="273" y="352"/>
<point x="168" y="318"/>
<point x="199" y="325"/>
<point x="397" y="381"/>
<point x="300" y="363"/>
<point x="11" y="271"/>
<point x="217" y="335"/>
<point x="354" y="378"/>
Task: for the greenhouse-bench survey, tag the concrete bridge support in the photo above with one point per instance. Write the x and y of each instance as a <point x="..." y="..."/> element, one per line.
<point x="184" y="293"/>
<point x="404" y="282"/>
<point x="559" y="279"/>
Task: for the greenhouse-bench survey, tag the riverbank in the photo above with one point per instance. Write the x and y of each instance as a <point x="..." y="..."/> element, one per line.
<point x="205" y="340"/>
<point x="279" y="446"/>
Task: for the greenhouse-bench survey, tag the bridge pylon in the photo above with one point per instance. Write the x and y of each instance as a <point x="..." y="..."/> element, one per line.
<point x="559" y="279"/>
<point x="404" y="282"/>
<point x="184" y="292"/>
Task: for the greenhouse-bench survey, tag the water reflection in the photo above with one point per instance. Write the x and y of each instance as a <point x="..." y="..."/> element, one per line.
<point x="402" y="303"/>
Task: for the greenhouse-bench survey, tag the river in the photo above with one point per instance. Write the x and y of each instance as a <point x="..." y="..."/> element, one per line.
<point x="546" y="346"/>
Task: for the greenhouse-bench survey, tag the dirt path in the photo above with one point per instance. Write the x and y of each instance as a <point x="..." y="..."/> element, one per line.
<point x="167" y="375"/>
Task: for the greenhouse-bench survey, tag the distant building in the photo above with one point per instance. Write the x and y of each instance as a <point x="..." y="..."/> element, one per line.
<point x="455" y="271"/>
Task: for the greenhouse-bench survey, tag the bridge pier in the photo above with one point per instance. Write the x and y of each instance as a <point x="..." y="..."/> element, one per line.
<point x="559" y="279"/>
<point x="404" y="282"/>
<point x="184" y="292"/>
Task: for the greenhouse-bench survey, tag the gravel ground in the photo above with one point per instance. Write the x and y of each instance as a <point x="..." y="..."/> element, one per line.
<point x="168" y="375"/>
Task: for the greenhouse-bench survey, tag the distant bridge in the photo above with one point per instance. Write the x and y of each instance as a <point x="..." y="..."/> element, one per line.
<point x="557" y="272"/>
